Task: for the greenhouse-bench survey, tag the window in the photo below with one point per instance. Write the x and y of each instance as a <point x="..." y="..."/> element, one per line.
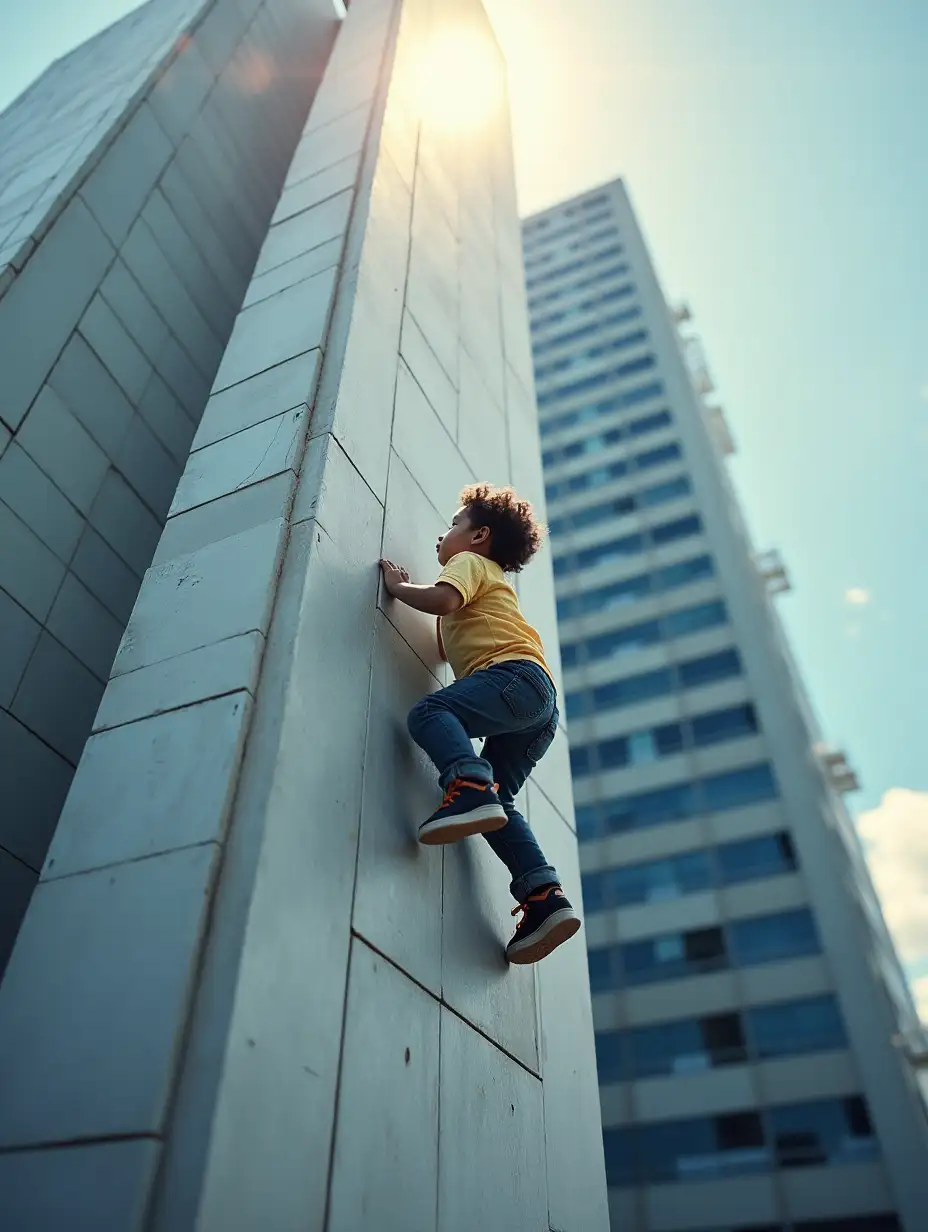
<point x="599" y="963"/>
<point x="567" y="288"/>
<point x="661" y="493"/>
<point x="706" y="670"/>
<point x="673" y="956"/>
<point x="765" y="856"/>
<point x="630" y="637"/>
<point x="648" y="808"/>
<point x="610" y="1059"/>
<point x="683" y="572"/>
<point x="667" y="532"/>
<point x="615" y="549"/>
<point x="580" y="760"/>
<point x="694" y="619"/>
<point x="686" y="1046"/>
<point x="620" y="1150"/>
<point x="720" y="725"/>
<point x="657" y="457"/>
<point x="793" y="1027"/>
<point x="649" y="423"/>
<point x="609" y="406"/>
<point x="825" y="1132"/>
<point x="640" y="364"/>
<point x="702" y="1147"/>
<point x="773" y="938"/>
<point x="586" y="331"/>
<point x="738" y="788"/>
<point x="613" y="251"/>
<point x="632" y="689"/>
<point x="642" y="584"/>
<point x="653" y="881"/>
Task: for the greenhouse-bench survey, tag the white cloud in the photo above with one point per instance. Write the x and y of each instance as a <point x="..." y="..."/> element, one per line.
<point x="856" y="596"/>
<point x="896" y="838"/>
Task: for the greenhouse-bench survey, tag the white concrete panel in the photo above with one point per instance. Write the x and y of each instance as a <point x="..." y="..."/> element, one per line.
<point x="92" y="1006"/>
<point x="727" y="1089"/>
<point x="482" y="436"/>
<point x="670" y="1208"/>
<point x="423" y="443"/>
<point x="477" y="981"/>
<point x="288" y="386"/>
<point x="388" y="1103"/>
<point x="833" y="1192"/>
<point x="239" y="461"/>
<point x="820" y="1075"/>
<point x="123" y="806"/>
<point x="411" y="530"/>
<point x="220" y="591"/>
<point x="429" y="374"/>
<point x="240" y="511"/>
<point x="495" y="1106"/>
<point x="211" y="671"/>
<point x="398" y="899"/>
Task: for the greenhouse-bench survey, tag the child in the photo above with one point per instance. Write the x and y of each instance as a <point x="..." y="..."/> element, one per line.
<point x="502" y="692"/>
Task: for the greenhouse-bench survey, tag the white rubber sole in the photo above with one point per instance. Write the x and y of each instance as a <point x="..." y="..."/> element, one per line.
<point x="482" y="820"/>
<point x="557" y="929"/>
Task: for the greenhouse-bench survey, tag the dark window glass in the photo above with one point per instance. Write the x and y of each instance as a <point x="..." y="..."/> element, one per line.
<point x="580" y="760"/>
<point x="673" y="956"/>
<point x="679" y="528"/>
<point x="668" y="739"/>
<point x="613" y="595"/>
<point x="649" y="423"/>
<point x="600" y="966"/>
<point x="668" y="1048"/>
<point x="709" y="668"/>
<point x="720" y="725"/>
<point x="658" y="456"/>
<point x="631" y="637"/>
<point x="577" y="704"/>
<point x="615" y="549"/>
<point x="660" y="493"/>
<point x="620" y="1150"/>
<point x="737" y="788"/>
<point x="633" y="689"/>
<point x="793" y="1027"/>
<point x="693" y="619"/>
<point x="703" y="1147"/>
<point x="772" y="938"/>
<point x="610" y="1062"/>
<point x="656" y="880"/>
<point x="588" y="821"/>
<point x="569" y="656"/>
<point x="765" y="856"/>
<point x="613" y="754"/>
<point x="825" y="1132"/>
<point x="683" y="572"/>
<point x="650" y="808"/>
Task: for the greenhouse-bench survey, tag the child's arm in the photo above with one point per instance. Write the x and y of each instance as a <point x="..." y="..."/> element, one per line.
<point x="439" y="600"/>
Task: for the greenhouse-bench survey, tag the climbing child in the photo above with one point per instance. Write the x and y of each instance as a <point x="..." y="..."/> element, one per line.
<point x="502" y="692"/>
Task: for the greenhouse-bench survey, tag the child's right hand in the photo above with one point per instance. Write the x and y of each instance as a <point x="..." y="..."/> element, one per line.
<point x="393" y="575"/>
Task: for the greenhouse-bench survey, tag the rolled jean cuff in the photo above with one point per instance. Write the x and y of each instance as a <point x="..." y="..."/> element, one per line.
<point x="528" y="883"/>
<point x="473" y="768"/>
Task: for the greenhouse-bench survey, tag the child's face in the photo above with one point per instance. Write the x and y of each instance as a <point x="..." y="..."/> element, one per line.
<point x="460" y="536"/>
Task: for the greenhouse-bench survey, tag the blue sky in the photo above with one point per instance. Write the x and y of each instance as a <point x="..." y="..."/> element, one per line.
<point x="775" y="151"/>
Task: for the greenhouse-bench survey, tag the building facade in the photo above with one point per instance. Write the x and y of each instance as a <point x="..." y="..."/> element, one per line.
<point x="280" y="281"/>
<point x="748" y="1002"/>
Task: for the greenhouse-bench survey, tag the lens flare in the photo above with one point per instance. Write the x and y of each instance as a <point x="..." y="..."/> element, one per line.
<point x="459" y="80"/>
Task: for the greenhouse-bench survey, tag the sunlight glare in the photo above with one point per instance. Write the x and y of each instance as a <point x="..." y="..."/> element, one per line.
<point x="458" y="80"/>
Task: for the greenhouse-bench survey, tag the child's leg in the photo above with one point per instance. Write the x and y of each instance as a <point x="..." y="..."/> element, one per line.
<point x="513" y="756"/>
<point x="442" y="724"/>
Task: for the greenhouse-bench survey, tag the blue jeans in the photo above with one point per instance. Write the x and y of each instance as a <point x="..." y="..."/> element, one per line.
<point x="514" y="707"/>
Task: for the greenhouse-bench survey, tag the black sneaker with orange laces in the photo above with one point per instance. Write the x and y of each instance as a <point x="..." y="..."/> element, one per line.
<point x="468" y="808"/>
<point x="547" y="921"/>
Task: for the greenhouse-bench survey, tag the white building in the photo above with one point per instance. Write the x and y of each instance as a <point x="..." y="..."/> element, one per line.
<point x="748" y="1001"/>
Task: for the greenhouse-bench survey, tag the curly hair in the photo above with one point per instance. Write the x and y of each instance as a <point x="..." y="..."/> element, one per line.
<point x="515" y="533"/>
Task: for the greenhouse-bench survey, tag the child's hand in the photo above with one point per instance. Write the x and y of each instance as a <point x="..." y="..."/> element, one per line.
<point x="393" y="575"/>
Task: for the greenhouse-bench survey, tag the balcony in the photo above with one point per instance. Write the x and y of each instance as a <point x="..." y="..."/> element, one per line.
<point x="772" y="570"/>
<point x="720" y="431"/>
<point x="841" y="775"/>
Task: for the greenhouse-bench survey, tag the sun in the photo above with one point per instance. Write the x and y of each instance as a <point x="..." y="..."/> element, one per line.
<point x="459" y="80"/>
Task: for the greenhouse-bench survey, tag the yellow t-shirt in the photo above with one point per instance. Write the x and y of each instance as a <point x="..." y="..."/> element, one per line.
<point x="489" y="628"/>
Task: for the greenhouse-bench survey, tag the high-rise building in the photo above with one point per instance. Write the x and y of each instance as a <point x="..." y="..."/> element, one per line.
<point x="748" y="1001"/>
<point x="262" y="317"/>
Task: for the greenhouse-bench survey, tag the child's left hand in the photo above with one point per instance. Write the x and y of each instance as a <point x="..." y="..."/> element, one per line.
<point x="393" y="575"/>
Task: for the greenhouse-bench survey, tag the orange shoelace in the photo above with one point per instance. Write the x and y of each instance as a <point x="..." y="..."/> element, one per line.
<point x="532" y="898"/>
<point x="456" y="786"/>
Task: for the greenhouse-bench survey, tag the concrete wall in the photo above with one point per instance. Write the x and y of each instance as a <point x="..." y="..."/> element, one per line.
<point x="136" y="180"/>
<point x="243" y="994"/>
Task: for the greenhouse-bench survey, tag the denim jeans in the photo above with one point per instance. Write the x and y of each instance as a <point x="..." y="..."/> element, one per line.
<point x="514" y="707"/>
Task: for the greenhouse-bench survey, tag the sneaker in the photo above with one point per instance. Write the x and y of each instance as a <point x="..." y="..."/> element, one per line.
<point x="547" y="920"/>
<point x="468" y="808"/>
